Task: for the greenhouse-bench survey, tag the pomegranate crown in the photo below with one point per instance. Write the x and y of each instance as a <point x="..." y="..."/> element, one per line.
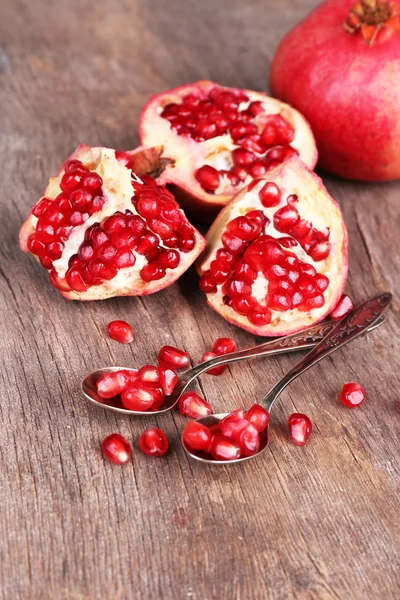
<point x="375" y="19"/>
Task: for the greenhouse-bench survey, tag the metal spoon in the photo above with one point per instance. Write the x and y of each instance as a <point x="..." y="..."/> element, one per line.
<point x="298" y="341"/>
<point x="361" y="319"/>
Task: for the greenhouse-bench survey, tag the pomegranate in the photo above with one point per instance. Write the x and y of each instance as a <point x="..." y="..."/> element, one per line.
<point x="276" y="259"/>
<point x="214" y="140"/>
<point x="197" y="436"/>
<point x="101" y="231"/>
<point x="116" y="448"/>
<point x="342" y="308"/>
<point x="120" y="331"/>
<point x="340" y="67"/>
<point x="153" y="442"/>
<point x="352" y="395"/>
<point x="192" y="405"/>
<point x="300" y="428"/>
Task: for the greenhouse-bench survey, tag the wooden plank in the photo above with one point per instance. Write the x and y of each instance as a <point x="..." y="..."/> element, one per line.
<point x="317" y="523"/>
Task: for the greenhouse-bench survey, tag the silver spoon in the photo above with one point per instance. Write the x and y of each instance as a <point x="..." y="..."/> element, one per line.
<point x="361" y="319"/>
<point x="298" y="341"/>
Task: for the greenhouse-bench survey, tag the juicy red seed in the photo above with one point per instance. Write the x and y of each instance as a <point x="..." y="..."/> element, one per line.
<point x="124" y="159"/>
<point x="153" y="442"/>
<point x="249" y="440"/>
<point x="152" y="272"/>
<point x="232" y="425"/>
<point x="81" y="199"/>
<point x="342" y="308"/>
<point x="123" y="239"/>
<point x="238" y="288"/>
<point x="115" y="223"/>
<point x="75" y="280"/>
<point x="270" y="194"/>
<point x="234" y="244"/>
<point x="321" y="282"/>
<point x="116" y="448"/>
<point x="169" y="259"/>
<point x="316" y="301"/>
<point x="352" y="395"/>
<point x="77" y="218"/>
<point x="168" y="380"/>
<point x="243" y="304"/>
<point x="196" y="436"/>
<point x="85" y="252"/>
<point x="255" y="108"/>
<point x="100" y="270"/>
<point x="243" y="228"/>
<point x="186" y="244"/>
<point x="146" y="243"/>
<point x="279" y="301"/>
<point x="46" y="262"/>
<point x="239" y="172"/>
<point x="207" y="283"/>
<point x="111" y="384"/>
<point x="149" y="374"/>
<point x="301" y="229"/>
<point x="253" y="143"/>
<point x="141" y="397"/>
<point x="259" y="316"/>
<point x="242" y="157"/>
<point x="136" y="225"/>
<point x="208" y="177"/>
<point x="148" y="206"/>
<point x="224" y="255"/>
<point x="36" y="246"/>
<point x="285" y="218"/>
<point x="320" y="251"/>
<point x="173" y="357"/>
<point x="161" y="228"/>
<point x="192" y="405"/>
<point x="244" y="272"/>
<point x="220" y="270"/>
<point x="222" y="448"/>
<point x="54" y="250"/>
<point x="41" y="207"/>
<point x="170" y="212"/>
<point x="224" y="346"/>
<point x="71" y="165"/>
<point x="120" y="331"/>
<point x="216" y="370"/>
<point x="300" y="428"/>
<point x="44" y="230"/>
<point x="92" y="182"/>
<point x="259" y="417"/>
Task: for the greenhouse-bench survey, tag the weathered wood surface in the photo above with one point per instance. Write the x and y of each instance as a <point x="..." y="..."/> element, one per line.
<point x="319" y="523"/>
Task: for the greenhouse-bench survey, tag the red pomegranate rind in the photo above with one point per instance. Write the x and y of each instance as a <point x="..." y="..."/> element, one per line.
<point x="285" y="264"/>
<point x="215" y="140"/>
<point x="101" y="232"/>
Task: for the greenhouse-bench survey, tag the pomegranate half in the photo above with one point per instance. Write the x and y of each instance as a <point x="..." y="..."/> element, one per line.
<point x="276" y="259"/>
<point x="214" y="140"/>
<point x="101" y="231"/>
<point x="341" y="68"/>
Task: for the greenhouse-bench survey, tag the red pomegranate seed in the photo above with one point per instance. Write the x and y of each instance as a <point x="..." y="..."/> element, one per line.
<point x="243" y="228"/>
<point x="234" y="244"/>
<point x="238" y="288"/>
<point x="242" y="157"/>
<point x="259" y="417"/>
<point x="41" y="207"/>
<point x="149" y="374"/>
<point x="75" y="280"/>
<point x="173" y="357"/>
<point x="168" y="380"/>
<point x="320" y="251"/>
<point x="352" y="395"/>
<point x="222" y="448"/>
<point x="36" y="246"/>
<point x="142" y="397"/>
<point x="300" y="428"/>
<point x="186" y="244"/>
<point x="124" y="159"/>
<point x="81" y="199"/>
<point x="92" y="182"/>
<point x="153" y="442"/>
<point x="244" y="272"/>
<point x="216" y="370"/>
<point x="147" y="242"/>
<point x="224" y="346"/>
<point x="259" y="315"/>
<point x="116" y="448"/>
<point x="220" y="270"/>
<point x="270" y="194"/>
<point x="152" y="272"/>
<point x="243" y="304"/>
<point x="192" y="405"/>
<point x="207" y="283"/>
<point x="111" y="384"/>
<point x="169" y="259"/>
<point x="208" y="177"/>
<point x="253" y="143"/>
<point x="342" y="308"/>
<point x="249" y="440"/>
<point x="232" y="425"/>
<point x="196" y="436"/>
<point x="70" y="182"/>
<point x="285" y="218"/>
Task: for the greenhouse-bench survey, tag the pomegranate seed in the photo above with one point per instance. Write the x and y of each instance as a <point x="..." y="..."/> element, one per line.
<point x="124" y="159"/>
<point x="75" y="280"/>
<point x="243" y="228"/>
<point x="243" y="304"/>
<point x="238" y="288"/>
<point x="224" y="346"/>
<point x="259" y="417"/>
<point x="242" y="157"/>
<point x="92" y="182"/>
<point x="54" y="250"/>
<point x="322" y="282"/>
<point x="70" y="182"/>
<point x="197" y="436"/>
<point x="253" y="143"/>
<point x="146" y="243"/>
<point x="285" y="218"/>
<point x="300" y="428"/>
<point x="116" y="448"/>
<point x="153" y="442"/>
<point x="111" y="384"/>
<point x="216" y="370"/>
<point x="208" y="177"/>
<point x="141" y="397"/>
<point x="81" y="199"/>
<point x="207" y="283"/>
<point x="232" y="243"/>
<point x="342" y="308"/>
<point x="255" y="108"/>
<point x="232" y="425"/>
<point x="192" y="405"/>
<point x="244" y="272"/>
<point x="173" y="357"/>
<point x="249" y="440"/>
<point x="222" y="448"/>
<point x="152" y="272"/>
<point x="100" y="270"/>
<point x="149" y="374"/>
<point x="115" y="223"/>
<point x="44" y="230"/>
<point x="259" y="316"/>
<point x="123" y="239"/>
<point x="320" y="251"/>
<point x="220" y="270"/>
<point x="352" y="395"/>
<point x="270" y="194"/>
<point x="136" y="225"/>
<point x="168" y="380"/>
<point x="186" y="244"/>
<point x="36" y="246"/>
<point x="148" y="206"/>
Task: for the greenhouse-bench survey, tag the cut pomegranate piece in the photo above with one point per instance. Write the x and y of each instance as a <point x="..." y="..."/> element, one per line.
<point x="111" y="384"/>
<point x="300" y="428"/>
<point x="259" y="417"/>
<point x="120" y="331"/>
<point x="192" y="405"/>
<point x="116" y="448"/>
<point x="153" y="442"/>
<point x="352" y="395"/>
<point x="224" y="346"/>
<point x="342" y="308"/>
<point x="173" y="357"/>
<point x="197" y="436"/>
<point x="213" y="146"/>
<point x="101" y="231"/>
<point x="270" y="287"/>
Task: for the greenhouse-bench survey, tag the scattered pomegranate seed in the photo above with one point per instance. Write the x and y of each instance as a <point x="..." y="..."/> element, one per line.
<point x="300" y="428"/>
<point x="111" y="384"/>
<point x="173" y="357"/>
<point x="116" y="448"/>
<point x="216" y="370"/>
<point x="153" y="442"/>
<point x="352" y="395"/>
<point x="270" y="194"/>
<point x="168" y="380"/>
<point x="224" y="346"/>
<point x="192" y="405"/>
<point x="342" y="308"/>
<point x="259" y="417"/>
<point x="197" y="436"/>
<point x="120" y="331"/>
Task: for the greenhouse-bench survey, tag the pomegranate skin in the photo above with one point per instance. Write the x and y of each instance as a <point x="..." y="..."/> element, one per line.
<point x="347" y="89"/>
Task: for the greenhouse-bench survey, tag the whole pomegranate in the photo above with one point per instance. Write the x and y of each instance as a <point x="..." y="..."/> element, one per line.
<point x="213" y="140"/>
<point x="341" y="68"/>
<point x="276" y="259"/>
<point x="101" y="231"/>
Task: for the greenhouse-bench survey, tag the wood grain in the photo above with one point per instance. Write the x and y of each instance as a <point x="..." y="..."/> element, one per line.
<point x="317" y="523"/>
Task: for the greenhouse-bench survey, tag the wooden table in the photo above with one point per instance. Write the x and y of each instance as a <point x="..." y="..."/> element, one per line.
<point x="315" y="523"/>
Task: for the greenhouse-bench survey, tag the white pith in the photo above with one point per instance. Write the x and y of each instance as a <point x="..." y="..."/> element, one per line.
<point x="315" y="205"/>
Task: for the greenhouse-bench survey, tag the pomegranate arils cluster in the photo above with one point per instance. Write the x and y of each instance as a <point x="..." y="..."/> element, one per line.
<point x="261" y="140"/>
<point x="236" y="435"/>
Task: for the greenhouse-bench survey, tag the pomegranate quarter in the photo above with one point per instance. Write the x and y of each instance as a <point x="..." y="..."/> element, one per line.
<point x="215" y="140"/>
<point x="276" y="259"/>
<point x="101" y="231"/>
